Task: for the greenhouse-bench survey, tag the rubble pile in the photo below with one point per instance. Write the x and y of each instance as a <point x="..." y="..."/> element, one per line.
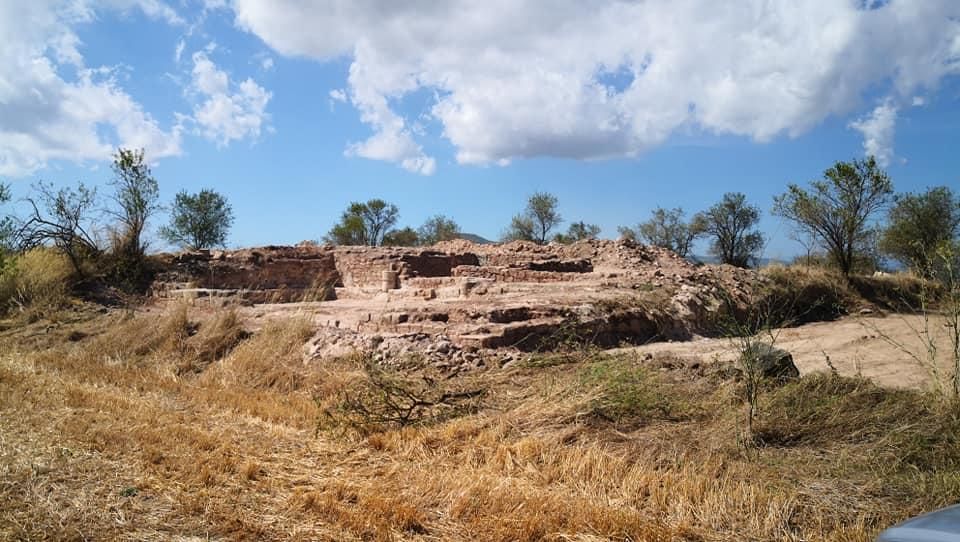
<point x="458" y="304"/>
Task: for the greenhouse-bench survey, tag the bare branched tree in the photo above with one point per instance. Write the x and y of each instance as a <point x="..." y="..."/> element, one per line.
<point x="61" y="217"/>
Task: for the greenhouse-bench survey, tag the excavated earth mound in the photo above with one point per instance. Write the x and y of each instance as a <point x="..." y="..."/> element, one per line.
<point x="460" y="305"/>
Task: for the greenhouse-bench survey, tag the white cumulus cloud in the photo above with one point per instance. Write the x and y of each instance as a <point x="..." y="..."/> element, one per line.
<point x="47" y="115"/>
<point x="608" y="78"/>
<point x="227" y="112"/>
<point x="878" y="129"/>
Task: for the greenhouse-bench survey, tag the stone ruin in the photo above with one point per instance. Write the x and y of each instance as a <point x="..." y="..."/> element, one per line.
<point x="462" y="304"/>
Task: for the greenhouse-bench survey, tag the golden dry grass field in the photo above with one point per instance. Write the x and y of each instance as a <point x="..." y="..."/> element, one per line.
<point x="121" y="426"/>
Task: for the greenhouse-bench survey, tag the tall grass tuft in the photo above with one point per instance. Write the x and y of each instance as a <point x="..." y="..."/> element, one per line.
<point x="36" y="283"/>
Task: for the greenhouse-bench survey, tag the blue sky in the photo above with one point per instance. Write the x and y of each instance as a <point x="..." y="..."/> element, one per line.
<point x="293" y="110"/>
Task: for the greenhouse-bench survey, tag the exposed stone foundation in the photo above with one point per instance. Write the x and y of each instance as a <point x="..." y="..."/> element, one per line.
<point x="518" y="296"/>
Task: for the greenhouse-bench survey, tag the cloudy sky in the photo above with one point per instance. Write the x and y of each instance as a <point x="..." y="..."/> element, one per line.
<point x="294" y="108"/>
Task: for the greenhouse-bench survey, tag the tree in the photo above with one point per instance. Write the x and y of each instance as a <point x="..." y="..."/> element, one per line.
<point x="62" y="218"/>
<point x="521" y="229"/>
<point x="537" y="221"/>
<point x="578" y="231"/>
<point x="836" y="210"/>
<point x="6" y="225"/>
<point x="137" y="195"/>
<point x="438" y="228"/>
<point x="364" y="223"/>
<point x="626" y="233"/>
<point x="198" y="221"/>
<point x="349" y="231"/>
<point x="731" y="224"/>
<point x="405" y="237"/>
<point x="919" y="224"/>
<point x="667" y="228"/>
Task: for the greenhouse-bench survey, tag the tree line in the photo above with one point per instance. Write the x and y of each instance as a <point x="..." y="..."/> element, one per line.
<point x="837" y="216"/>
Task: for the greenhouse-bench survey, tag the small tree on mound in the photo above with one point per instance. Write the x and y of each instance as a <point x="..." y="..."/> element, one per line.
<point x="578" y="231"/>
<point x="667" y="228"/>
<point x="137" y="197"/>
<point x="537" y="221"/>
<point x="730" y="225"/>
<point x="364" y="223"/>
<point x="199" y="221"/>
<point x="438" y="228"/>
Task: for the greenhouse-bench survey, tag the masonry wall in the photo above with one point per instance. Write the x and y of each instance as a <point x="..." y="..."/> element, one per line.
<point x="363" y="266"/>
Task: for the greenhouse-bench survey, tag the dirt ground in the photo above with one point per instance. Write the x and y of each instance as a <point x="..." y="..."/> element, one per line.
<point x="141" y="427"/>
<point x="889" y="350"/>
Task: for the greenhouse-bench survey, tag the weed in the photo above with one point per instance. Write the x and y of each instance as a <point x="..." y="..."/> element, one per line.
<point x="625" y="393"/>
<point x="129" y="492"/>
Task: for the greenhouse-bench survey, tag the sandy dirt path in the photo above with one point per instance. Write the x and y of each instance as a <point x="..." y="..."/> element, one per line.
<point x="853" y="345"/>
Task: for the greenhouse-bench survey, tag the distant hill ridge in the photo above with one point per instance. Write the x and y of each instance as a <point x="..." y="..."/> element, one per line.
<point x="474" y="238"/>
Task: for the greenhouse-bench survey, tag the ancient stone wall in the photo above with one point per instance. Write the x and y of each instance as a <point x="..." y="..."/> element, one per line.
<point x="262" y="268"/>
<point x="302" y="268"/>
<point x="501" y="273"/>
<point x="363" y="266"/>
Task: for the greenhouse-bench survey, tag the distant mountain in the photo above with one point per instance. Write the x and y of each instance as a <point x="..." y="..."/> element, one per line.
<point x="474" y="238"/>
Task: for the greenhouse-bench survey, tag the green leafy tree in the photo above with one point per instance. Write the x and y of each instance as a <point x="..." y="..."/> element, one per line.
<point x="666" y="228"/>
<point x="521" y="229"/>
<point x="731" y="224"/>
<point x="404" y="237"/>
<point x="578" y="231"/>
<point x="537" y="221"/>
<point x="137" y="195"/>
<point x="364" y="223"/>
<point x="837" y="209"/>
<point x="438" y="228"/>
<point x="199" y="221"/>
<point x="349" y="231"/>
<point x="918" y="224"/>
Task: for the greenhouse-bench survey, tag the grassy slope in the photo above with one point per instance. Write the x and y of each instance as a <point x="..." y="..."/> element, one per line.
<point x="140" y="430"/>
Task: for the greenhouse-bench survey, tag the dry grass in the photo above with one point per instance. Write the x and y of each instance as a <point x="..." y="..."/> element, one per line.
<point x="812" y="293"/>
<point x="35" y="284"/>
<point x="109" y="438"/>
